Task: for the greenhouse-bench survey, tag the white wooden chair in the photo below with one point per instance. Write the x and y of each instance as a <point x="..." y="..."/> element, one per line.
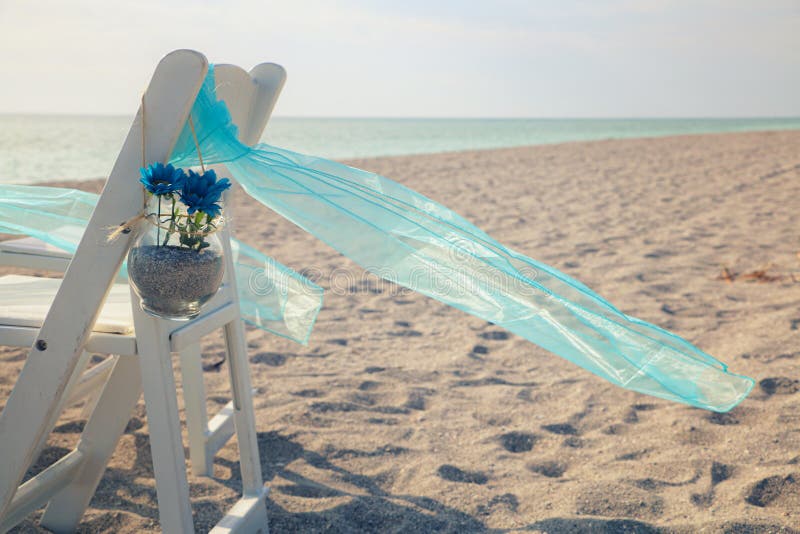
<point x="85" y="313"/>
<point x="250" y="99"/>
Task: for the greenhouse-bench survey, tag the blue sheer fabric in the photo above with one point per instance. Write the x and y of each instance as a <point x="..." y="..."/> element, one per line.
<point x="413" y="241"/>
<point x="271" y="296"/>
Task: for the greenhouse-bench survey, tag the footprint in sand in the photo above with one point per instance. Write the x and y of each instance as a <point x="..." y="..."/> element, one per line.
<point x="309" y="491"/>
<point x="518" y="441"/>
<point x="506" y="500"/>
<point x="615" y="500"/>
<point x="723" y="419"/>
<point x="776" y="491"/>
<point x="491" y="381"/>
<point x="631" y="417"/>
<point x="494" y="335"/>
<point x="406" y="333"/>
<point x="368" y="385"/>
<point x="573" y="442"/>
<point x="779" y="385"/>
<point x="309" y="393"/>
<point x="635" y="455"/>
<point x="719" y="473"/>
<point x="385" y="450"/>
<point x="562" y="429"/>
<point x="387" y="421"/>
<point x="549" y="469"/>
<point x="702" y="500"/>
<point x="273" y="359"/>
<point x="654" y="484"/>
<point x="327" y="407"/>
<point x="417" y="398"/>
<point x="454" y="474"/>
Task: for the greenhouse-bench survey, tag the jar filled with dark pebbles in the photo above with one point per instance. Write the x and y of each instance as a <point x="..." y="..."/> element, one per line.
<point x="174" y="274"/>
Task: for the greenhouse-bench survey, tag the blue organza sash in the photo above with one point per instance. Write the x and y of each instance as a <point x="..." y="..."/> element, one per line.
<point x="402" y="236"/>
<point x="272" y="296"/>
<point x="413" y="241"/>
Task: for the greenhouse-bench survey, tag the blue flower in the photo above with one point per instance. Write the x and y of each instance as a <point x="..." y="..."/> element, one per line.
<point x="162" y="179"/>
<point x="201" y="192"/>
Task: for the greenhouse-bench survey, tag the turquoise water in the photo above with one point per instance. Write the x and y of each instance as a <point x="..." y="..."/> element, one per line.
<point x="36" y="148"/>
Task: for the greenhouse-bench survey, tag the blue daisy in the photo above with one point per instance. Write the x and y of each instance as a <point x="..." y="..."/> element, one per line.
<point x="162" y="179"/>
<point x="201" y="192"/>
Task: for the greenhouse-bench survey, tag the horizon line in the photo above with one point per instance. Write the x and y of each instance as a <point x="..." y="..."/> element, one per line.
<point x="380" y="117"/>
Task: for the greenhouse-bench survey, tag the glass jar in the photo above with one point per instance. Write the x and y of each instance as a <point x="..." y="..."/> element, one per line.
<point x="176" y="262"/>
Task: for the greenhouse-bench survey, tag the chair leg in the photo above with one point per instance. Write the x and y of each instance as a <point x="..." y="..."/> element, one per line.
<point x="161" y="402"/>
<point x="194" y="399"/>
<point x="244" y="416"/>
<point x="98" y="441"/>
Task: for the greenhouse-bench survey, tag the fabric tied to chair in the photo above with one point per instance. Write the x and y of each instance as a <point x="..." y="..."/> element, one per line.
<point x="402" y="236"/>
<point x="272" y="296"/>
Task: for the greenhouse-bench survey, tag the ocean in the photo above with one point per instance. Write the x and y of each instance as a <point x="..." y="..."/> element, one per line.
<point x="38" y="148"/>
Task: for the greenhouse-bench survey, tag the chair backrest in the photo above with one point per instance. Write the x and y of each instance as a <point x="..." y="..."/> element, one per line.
<point x="250" y="97"/>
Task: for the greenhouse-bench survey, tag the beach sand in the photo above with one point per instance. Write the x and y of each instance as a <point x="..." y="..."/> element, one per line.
<point x="404" y="415"/>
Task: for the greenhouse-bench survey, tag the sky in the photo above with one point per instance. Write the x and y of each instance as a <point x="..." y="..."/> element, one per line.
<point x="420" y="58"/>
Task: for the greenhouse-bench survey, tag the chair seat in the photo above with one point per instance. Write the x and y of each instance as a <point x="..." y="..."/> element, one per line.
<point x="25" y="301"/>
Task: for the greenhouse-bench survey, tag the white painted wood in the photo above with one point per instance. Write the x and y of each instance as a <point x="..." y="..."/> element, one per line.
<point x="40" y="386"/>
<point x="220" y="429"/>
<point x="250" y="97"/>
<point x="64" y="400"/>
<point x="90" y="402"/>
<point x="245" y="516"/>
<point x="93" y="379"/>
<point x="158" y="383"/>
<point x="269" y="78"/>
<point x="207" y="322"/>
<point x="237" y="89"/>
<point x="156" y="337"/>
<point x="244" y="416"/>
<point x="194" y="402"/>
<point x="97" y="443"/>
<point x="239" y="369"/>
<point x="37" y="491"/>
<point x="34" y="254"/>
<point x="98" y="343"/>
<point x="26" y="300"/>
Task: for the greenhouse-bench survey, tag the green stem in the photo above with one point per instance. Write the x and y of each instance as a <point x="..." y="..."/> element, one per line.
<point x="158" y="219"/>
<point x="171" y="223"/>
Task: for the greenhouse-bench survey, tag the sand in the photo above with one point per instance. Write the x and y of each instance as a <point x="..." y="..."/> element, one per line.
<point x="403" y="415"/>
